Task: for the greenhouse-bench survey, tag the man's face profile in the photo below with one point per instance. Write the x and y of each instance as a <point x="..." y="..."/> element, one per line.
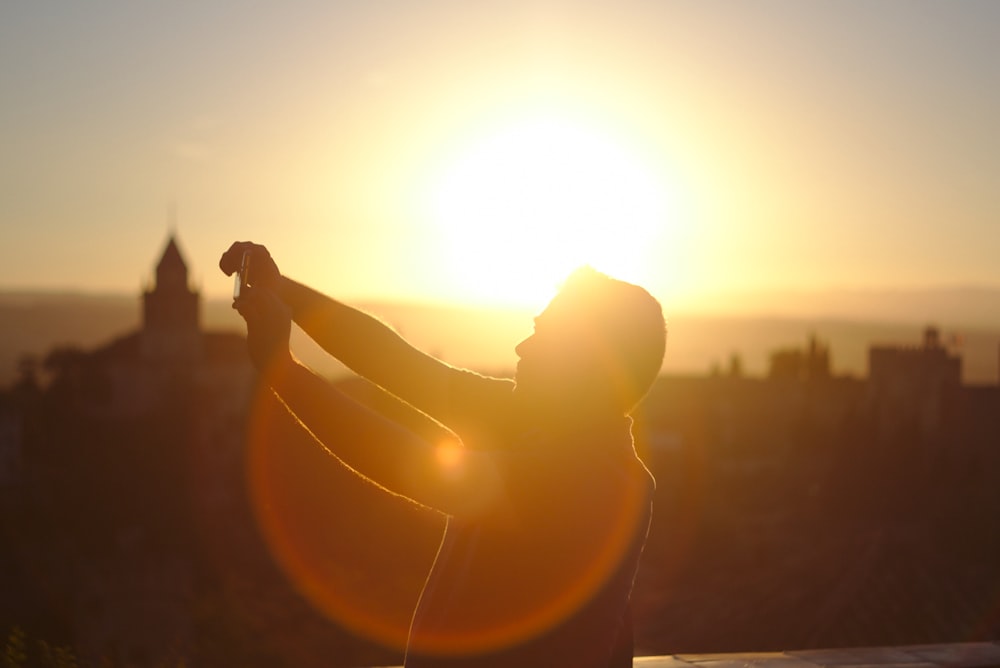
<point x="557" y="360"/>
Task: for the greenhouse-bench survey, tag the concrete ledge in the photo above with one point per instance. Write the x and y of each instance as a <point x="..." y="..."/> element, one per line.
<point x="957" y="655"/>
<point x="952" y="655"/>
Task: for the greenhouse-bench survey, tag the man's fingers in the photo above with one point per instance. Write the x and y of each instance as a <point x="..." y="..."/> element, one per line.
<point x="227" y="262"/>
<point x="244" y="305"/>
<point x="263" y="270"/>
<point x="232" y="258"/>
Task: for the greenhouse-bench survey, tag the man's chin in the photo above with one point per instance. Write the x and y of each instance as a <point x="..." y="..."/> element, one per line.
<point x="526" y="399"/>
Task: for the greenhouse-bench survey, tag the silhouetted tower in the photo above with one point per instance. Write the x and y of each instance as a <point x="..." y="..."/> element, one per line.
<point x="171" y="328"/>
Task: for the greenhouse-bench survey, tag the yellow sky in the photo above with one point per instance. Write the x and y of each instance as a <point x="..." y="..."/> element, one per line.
<point x="696" y="147"/>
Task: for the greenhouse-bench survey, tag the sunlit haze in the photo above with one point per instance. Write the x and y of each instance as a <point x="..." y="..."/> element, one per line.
<point x="456" y="468"/>
<point x="475" y="152"/>
<point x="522" y="208"/>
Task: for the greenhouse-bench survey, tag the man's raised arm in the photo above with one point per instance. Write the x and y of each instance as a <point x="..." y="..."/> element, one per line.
<point x="365" y="344"/>
<point x="453" y="482"/>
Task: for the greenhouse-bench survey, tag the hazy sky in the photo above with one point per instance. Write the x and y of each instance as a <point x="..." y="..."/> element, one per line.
<point x="474" y="150"/>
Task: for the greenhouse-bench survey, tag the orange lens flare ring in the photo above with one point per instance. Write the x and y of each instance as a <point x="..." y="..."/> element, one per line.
<point x="581" y="580"/>
<point x="301" y="548"/>
<point x="298" y="544"/>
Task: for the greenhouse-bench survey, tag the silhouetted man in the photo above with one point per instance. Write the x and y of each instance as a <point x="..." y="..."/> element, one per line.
<point x="548" y="505"/>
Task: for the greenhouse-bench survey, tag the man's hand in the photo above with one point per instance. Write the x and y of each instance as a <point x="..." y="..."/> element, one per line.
<point x="263" y="270"/>
<point x="269" y="325"/>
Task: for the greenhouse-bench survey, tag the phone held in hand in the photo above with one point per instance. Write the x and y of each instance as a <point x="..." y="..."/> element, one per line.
<point x="242" y="276"/>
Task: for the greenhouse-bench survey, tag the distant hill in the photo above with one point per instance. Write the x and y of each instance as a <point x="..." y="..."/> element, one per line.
<point x="36" y="322"/>
<point x="480" y="338"/>
<point x="963" y="307"/>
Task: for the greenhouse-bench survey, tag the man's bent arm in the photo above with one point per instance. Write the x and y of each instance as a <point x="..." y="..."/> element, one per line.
<point x="371" y="348"/>
<point x="453" y="480"/>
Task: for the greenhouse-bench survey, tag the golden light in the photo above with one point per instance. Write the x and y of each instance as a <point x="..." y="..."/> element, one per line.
<point x="360" y="556"/>
<point x="336" y="538"/>
<point x="449" y="455"/>
<point x="521" y="208"/>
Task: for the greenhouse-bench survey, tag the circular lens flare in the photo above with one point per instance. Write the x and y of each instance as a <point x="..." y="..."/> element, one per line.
<point x="361" y="557"/>
<point x="338" y="539"/>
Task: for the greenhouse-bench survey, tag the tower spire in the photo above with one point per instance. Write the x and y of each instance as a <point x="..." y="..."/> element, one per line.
<point x="170" y="308"/>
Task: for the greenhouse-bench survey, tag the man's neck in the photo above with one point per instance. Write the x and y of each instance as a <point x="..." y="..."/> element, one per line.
<point x="562" y="420"/>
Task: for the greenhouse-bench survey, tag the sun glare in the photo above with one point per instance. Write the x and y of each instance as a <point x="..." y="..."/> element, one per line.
<point x="449" y="456"/>
<point x="524" y="206"/>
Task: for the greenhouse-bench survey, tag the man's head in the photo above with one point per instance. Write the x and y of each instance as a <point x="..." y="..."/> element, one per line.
<point x="599" y="339"/>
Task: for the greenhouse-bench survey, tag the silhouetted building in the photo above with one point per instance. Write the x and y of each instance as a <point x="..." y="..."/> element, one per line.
<point x="811" y="363"/>
<point x="909" y="385"/>
<point x="171" y="354"/>
<point x="11" y="442"/>
<point x="173" y="394"/>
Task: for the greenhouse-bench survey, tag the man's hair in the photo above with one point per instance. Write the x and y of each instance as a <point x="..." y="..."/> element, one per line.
<point x="628" y="329"/>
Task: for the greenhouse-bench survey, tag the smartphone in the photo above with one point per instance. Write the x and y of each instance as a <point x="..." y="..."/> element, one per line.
<point x="242" y="276"/>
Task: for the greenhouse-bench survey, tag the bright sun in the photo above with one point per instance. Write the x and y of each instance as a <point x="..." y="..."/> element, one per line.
<point x="520" y="209"/>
